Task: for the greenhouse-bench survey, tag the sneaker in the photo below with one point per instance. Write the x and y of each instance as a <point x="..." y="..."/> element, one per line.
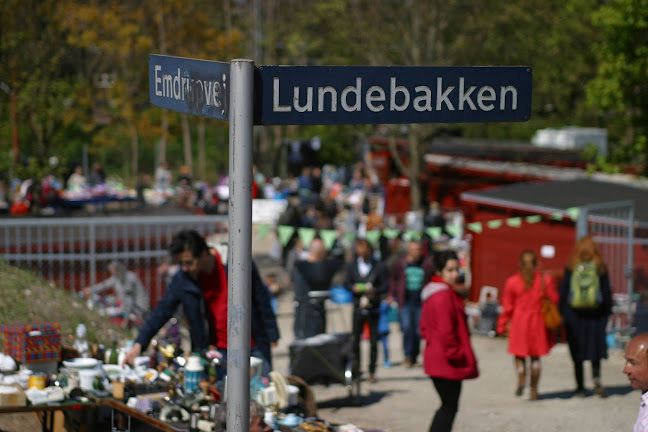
<point x="372" y="378"/>
<point x="407" y="363"/>
<point x="387" y="364"/>
<point x="599" y="390"/>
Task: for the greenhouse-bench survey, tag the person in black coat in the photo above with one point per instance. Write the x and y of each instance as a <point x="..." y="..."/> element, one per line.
<point x="368" y="280"/>
<point x="314" y="273"/>
<point x="585" y="328"/>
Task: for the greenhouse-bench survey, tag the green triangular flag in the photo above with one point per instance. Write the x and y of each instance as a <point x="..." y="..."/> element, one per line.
<point x="412" y="235"/>
<point x="285" y="233"/>
<point x="263" y="230"/>
<point x="573" y="212"/>
<point x="391" y="233"/>
<point x="475" y="227"/>
<point x="453" y="230"/>
<point x="494" y="224"/>
<point x="557" y="216"/>
<point x="433" y="232"/>
<point x="349" y="236"/>
<point x="328" y="237"/>
<point x="306" y="236"/>
<point x="372" y="237"/>
<point x="533" y="219"/>
<point x="514" y="222"/>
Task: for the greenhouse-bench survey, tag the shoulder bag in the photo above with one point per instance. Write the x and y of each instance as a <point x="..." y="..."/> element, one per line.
<point x="552" y="318"/>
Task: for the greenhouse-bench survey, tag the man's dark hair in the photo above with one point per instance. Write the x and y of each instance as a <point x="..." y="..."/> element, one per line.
<point x="188" y="240"/>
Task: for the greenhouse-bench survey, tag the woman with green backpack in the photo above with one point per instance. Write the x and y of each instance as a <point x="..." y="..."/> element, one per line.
<point x="585" y="305"/>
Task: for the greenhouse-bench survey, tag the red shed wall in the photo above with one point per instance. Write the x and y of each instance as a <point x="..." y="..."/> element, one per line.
<point x="495" y="252"/>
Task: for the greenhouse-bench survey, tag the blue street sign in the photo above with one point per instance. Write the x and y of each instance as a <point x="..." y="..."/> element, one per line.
<point x="190" y="86"/>
<point x="300" y="95"/>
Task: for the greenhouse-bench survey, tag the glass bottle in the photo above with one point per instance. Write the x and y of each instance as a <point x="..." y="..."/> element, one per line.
<point x="114" y="354"/>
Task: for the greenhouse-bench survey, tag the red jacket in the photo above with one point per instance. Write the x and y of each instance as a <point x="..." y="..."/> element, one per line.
<point x="448" y="353"/>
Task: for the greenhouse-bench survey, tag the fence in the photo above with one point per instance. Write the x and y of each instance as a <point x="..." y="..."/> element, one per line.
<point x="75" y="252"/>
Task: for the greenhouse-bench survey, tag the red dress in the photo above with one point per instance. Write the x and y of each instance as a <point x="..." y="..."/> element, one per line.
<point x="528" y="336"/>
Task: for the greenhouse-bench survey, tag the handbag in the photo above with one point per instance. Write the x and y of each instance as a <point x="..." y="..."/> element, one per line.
<point x="550" y="313"/>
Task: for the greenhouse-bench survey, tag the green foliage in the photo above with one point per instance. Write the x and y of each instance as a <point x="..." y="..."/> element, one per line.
<point x="620" y="88"/>
<point x="80" y="69"/>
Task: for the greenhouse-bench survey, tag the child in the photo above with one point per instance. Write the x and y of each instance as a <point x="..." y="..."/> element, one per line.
<point x="383" y="331"/>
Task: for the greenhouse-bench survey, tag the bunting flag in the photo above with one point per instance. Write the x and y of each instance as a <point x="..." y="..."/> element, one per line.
<point x="328" y="237"/>
<point x="453" y="230"/>
<point x="514" y="222"/>
<point x="263" y="230"/>
<point x="349" y="236"/>
<point x="391" y="233"/>
<point x="433" y="232"/>
<point x="494" y="224"/>
<point x="412" y="235"/>
<point x="573" y="212"/>
<point x="475" y="227"/>
<point x="306" y="236"/>
<point x="285" y="233"/>
<point x="373" y="237"/>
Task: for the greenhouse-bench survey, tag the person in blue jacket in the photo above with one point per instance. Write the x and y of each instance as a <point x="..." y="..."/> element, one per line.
<point x="200" y="286"/>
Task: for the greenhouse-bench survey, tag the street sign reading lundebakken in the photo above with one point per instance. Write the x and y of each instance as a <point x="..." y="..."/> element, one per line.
<point x="301" y="95"/>
<point x="391" y="94"/>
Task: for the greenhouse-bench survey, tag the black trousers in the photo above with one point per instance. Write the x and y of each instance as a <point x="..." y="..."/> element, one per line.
<point x="360" y="316"/>
<point x="449" y="392"/>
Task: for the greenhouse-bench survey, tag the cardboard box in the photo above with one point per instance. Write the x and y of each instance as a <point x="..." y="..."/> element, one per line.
<point x="32" y="343"/>
<point x="13" y="399"/>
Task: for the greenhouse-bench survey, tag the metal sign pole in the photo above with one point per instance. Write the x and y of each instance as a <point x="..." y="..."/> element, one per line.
<point x="240" y="244"/>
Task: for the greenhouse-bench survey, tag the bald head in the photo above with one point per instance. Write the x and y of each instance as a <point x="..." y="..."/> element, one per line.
<point x="636" y="365"/>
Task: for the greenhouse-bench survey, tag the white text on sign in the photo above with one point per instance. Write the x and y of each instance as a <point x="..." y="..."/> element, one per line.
<point x="397" y="98"/>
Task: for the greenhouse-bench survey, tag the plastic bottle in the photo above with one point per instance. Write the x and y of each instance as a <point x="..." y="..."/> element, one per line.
<point x="193" y="373"/>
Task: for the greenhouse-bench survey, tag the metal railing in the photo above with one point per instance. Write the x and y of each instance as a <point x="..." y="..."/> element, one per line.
<point x="75" y="252"/>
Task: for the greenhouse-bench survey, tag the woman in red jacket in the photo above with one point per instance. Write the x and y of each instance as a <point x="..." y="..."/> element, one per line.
<point x="448" y="358"/>
<point x="522" y="306"/>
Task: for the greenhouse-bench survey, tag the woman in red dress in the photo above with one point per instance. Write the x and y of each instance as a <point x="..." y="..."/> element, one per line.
<point x="522" y="306"/>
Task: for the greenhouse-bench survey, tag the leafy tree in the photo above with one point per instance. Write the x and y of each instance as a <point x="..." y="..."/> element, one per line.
<point x="620" y="88"/>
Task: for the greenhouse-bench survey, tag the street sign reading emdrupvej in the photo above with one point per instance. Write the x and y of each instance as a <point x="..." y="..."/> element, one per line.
<point x="189" y="86"/>
<point x="296" y="95"/>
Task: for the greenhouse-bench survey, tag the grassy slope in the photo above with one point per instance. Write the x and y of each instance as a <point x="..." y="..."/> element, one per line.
<point x="27" y="298"/>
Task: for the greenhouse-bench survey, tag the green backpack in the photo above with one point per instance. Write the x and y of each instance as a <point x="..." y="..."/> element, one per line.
<point x="584" y="287"/>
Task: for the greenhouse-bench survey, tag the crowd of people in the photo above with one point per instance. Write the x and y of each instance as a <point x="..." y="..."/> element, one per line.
<point x="419" y="277"/>
<point x="424" y="285"/>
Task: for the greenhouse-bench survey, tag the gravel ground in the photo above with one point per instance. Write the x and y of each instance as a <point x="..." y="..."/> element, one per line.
<point x="404" y="399"/>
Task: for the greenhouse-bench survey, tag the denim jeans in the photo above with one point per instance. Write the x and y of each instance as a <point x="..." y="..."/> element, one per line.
<point x="409" y="321"/>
